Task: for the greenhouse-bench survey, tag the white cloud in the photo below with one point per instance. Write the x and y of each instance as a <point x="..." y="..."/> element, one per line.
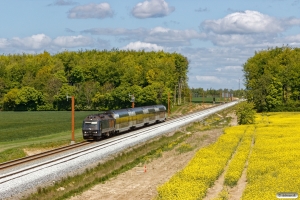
<point x="247" y="22"/>
<point x="116" y="31"/>
<point x="233" y="39"/>
<point x="34" y="42"/>
<point x="292" y="21"/>
<point x="248" y="29"/>
<point x="3" y="43"/>
<point x="92" y="10"/>
<point x="229" y="68"/>
<point x="293" y="38"/>
<point x="40" y="42"/>
<point x="72" y="41"/>
<point x="212" y="79"/>
<point x="142" y="46"/>
<point x="157" y="35"/>
<point x="171" y="37"/>
<point x="152" y="9"/>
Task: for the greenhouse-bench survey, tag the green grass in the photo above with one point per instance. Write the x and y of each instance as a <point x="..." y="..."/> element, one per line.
<point x="11" y="154"/>
<point x="26" y="125"/>
<point x="184" y="147"/>
<point x="30" y="130"/>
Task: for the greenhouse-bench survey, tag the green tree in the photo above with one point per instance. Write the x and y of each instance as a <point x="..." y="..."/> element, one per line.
<point x="29" y="98"/>
<point x="61" y="101"/>
<point x="98" y="77"/>
<point x="272" y="78"/>
<point x="9" y="101"/>
<point x="245" y="113"/>
<point x="26" y="98"/>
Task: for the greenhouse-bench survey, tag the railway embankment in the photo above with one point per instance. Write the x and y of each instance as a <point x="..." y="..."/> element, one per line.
<point x="143" y="167"/>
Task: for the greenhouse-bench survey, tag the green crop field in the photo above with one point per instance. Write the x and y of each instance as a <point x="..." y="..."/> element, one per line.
<point x="37" y="127"/>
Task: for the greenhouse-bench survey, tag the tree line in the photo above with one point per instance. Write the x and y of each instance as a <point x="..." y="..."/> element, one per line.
<point x="225" y="92"/>
<point x="99" y="80"/>
<point x="272" y="79"/>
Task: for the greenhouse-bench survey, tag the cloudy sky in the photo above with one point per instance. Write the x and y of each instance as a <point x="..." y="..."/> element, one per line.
<point x="216" y="36"/>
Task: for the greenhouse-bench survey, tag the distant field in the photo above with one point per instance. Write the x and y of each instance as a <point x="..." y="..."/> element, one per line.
<point x="25" y="125"/>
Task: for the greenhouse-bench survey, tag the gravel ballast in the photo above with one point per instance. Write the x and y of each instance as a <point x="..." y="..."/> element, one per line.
<point x="48" y="173"/>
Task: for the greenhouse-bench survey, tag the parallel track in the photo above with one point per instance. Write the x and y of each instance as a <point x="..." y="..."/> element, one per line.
<point x="104" y="143"/>
<point x="12" y="163"/>
<point x="31" y="174"/>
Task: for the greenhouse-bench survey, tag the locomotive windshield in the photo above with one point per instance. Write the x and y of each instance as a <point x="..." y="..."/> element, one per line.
<point x="89" y="126"/>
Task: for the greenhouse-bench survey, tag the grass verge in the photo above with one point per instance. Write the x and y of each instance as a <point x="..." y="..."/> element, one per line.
<point x="104" y="171"/>
<point x="14" y="150"/>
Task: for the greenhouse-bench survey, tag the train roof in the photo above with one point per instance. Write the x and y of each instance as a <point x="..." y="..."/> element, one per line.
<point x="136" y="110"/>
<point x="100" y="116"/>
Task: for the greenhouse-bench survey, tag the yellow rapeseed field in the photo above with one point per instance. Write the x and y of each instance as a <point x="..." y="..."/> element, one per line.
<point x="237" y="163"/>
<point x="271" y="147"/>
<point x="201" y="172"/>
<point x="275" y="159"/>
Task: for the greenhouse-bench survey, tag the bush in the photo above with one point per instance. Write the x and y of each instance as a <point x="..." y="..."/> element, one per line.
<point x="245" y="113"/>
<point x="46" y="107"/>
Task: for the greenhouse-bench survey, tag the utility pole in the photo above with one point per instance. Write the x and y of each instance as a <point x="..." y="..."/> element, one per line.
<point x="175" y="95"/>
<point x="169" y="104"/>
<point x="179" y="95"/>
<point x="132" y="100"/>
<point x="239" y="89"/>
<point x="73" y="118"/>
<point x="179" y="90"/>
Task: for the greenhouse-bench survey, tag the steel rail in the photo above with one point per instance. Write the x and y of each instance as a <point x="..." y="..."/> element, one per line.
<point x="103" y="144"/>
<point x="19" y="161"/>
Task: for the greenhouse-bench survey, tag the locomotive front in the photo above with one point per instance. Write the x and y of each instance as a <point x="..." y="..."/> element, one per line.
<point x="98" y="125"/>
<point x="91" y="128"/>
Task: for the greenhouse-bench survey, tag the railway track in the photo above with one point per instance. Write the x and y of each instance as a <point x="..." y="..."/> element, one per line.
<point x="26" y="159"/>
<point x="23" y="178"/>
<point x="12" y="163"/>
<point x="98" y="145"/>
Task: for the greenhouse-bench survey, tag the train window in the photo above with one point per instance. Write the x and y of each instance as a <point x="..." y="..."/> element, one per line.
<point x="90" y="125"/>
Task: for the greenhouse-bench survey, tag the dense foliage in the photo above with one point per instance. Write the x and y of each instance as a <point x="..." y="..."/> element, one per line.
<point x="98" y="79"/>
<point x="272" y="79"/>
<point x="245" y="113"/>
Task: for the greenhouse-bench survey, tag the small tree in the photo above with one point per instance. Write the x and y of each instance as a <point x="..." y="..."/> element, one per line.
<point x="245" y="113"/>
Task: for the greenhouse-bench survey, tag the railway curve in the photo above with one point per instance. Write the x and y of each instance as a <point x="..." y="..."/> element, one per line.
<point x="19" y="180"/>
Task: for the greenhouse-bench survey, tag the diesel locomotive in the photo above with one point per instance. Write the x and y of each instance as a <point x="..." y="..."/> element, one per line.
<point x="97" y="126"/>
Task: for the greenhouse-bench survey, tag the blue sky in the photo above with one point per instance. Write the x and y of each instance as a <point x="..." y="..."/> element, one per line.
<point x="216" y="36"/>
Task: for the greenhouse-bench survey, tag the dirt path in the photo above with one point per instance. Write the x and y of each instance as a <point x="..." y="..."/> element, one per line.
<point x="236" y="192"/>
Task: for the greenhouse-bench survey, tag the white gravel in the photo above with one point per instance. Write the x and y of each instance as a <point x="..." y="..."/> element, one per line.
<point x="16" y="184"/>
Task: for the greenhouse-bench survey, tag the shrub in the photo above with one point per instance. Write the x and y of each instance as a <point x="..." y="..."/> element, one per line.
<point x="245" y="113"/>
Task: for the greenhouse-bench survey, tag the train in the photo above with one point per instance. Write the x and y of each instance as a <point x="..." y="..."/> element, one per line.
<point x="106" y="124"/>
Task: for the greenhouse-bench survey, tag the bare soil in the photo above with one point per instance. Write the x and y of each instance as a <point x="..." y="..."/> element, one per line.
<point x="141" y="182"/>
<point x="30" y="152"/>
